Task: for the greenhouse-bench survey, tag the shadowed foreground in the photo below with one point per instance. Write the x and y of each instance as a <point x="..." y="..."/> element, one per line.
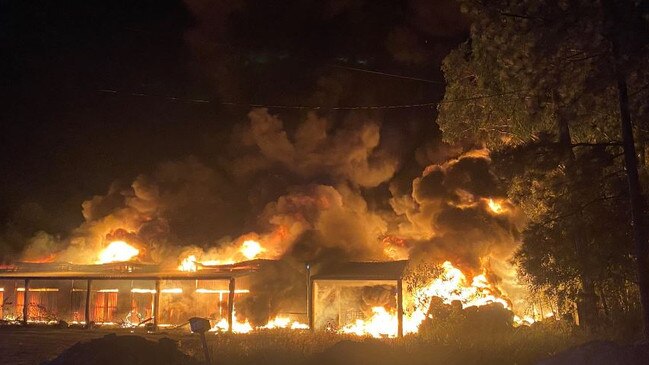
<point x="519" y="346"/>
<point x="128" y="349"/>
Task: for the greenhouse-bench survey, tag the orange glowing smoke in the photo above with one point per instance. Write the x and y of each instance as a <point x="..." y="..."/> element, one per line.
<point x="117" y="251"/>
<point x="41" y="260"/>
<point x="249" y="250"/>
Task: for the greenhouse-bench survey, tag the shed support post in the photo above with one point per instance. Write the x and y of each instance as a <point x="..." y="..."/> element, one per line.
<point x="26" y="303"/>
<point x="231" y="305"/>
<point x="156" y="305"/>
<point x="400" y="307"/>
<point x="311" y="305"/>
<point x="71" y="307"/>
<point x="86" y="316"/>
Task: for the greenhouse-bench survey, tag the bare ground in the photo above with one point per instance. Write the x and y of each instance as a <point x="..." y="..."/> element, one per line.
<point x="29" y="346"/>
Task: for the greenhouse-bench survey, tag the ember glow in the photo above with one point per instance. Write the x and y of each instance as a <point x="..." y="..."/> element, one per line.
<point x="117" y="251"/>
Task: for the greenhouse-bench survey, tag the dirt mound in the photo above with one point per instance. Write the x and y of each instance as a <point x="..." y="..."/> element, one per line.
<point x="602" y="353"/>
<point x="123" y="350"/>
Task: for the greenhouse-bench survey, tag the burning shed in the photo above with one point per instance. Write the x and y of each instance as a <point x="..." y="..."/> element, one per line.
<point x="127" y="294"/>
<point x="362" y="298"/>
<point x="358" y="297"/>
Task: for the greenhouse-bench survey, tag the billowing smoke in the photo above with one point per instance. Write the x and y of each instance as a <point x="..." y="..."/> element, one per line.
<point x="326" y="221"/>
<point x="280" y="287"/>
<point x="309" y="186"/>
<point x="447" y="213"/>
<point x="189" y="207"/>
<point x="180" y="203"/>
<point x="457" y="211"/>
<point x="347" y="154"/>
<point x="302" y="192"/>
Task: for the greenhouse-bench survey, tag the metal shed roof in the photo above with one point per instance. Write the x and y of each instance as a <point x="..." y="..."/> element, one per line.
<point x="127" y="271"/>
<point x="384" y="270"/>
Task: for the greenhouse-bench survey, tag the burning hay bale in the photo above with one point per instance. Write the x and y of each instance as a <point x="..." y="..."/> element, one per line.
<point x="112" y="349"/>
<point x="448" y="320"/>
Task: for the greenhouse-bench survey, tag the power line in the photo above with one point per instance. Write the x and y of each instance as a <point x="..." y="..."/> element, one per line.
<point x="374" y="72"/>
<point x="272" y="106"/>
<point x="429" y="104"/>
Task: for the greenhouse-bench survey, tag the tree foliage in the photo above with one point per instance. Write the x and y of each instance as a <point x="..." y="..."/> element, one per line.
<point x="526" y="62"/>
<point x="536" y="83"/>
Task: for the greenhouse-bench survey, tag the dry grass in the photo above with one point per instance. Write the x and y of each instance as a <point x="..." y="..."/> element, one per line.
<point x="448" y="346"/>
<point x="515" y="346"/>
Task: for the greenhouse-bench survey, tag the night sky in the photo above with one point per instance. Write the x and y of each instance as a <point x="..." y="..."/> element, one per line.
<point x="64" y="140"/>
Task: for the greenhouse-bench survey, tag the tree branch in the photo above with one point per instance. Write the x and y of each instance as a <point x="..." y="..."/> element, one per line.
<point x="600" y="144"/>
<point x="576" y="211"/>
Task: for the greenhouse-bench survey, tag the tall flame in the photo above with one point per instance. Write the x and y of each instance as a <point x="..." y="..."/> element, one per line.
<point x="117" y="251"/>
<point x="452" y="285"/>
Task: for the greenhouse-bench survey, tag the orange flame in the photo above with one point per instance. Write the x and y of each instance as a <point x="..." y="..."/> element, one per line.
<point x="117" y="251"/>
<point x="380" y="324"/>
<point x="284" y="322"/>
<point x="452" y="285"/>
<point x="251" y="249"/>
<point x="496" y="207"/>
<point x="188" y="264"/>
